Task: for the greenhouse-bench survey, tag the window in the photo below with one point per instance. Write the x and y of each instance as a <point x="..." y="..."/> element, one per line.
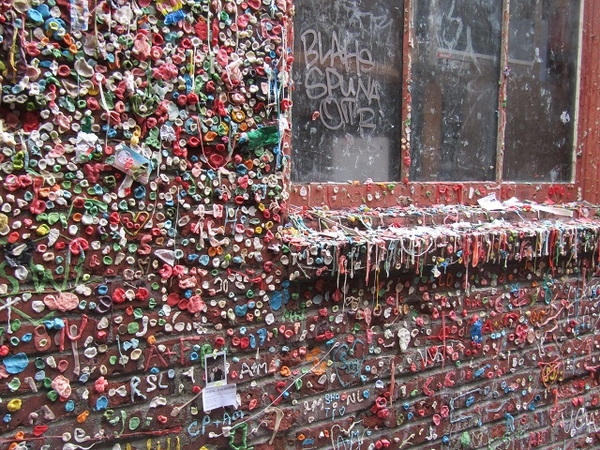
<point x="462" y="91"/>
<point x="348" y="62"/>
<point x="484" y="80"/>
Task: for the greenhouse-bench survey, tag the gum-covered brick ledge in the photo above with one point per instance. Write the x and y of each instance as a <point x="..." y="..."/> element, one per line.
<point x="430" y="241"/>
<point x="451" y="326"/>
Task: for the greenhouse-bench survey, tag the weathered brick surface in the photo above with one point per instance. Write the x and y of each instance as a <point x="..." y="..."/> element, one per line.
<point x="113" y="288"/>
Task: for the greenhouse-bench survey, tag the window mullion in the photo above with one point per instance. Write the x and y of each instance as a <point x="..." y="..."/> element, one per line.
<point x="502" y="89"/>
<point x="408" y="42"/>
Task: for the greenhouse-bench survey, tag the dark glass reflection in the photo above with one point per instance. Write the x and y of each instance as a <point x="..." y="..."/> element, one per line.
<point x="455" y="89"/>
<point x="541" y="90"/>
<point x="347" y="90"/>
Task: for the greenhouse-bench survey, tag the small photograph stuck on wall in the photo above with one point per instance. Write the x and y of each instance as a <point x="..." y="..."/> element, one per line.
<point x="215" y="369"/>
<point x="217" y="393"/>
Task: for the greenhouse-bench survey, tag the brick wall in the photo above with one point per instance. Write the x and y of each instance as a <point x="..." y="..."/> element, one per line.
<point x="144" y="225"/>
<point x="466" y="352"/>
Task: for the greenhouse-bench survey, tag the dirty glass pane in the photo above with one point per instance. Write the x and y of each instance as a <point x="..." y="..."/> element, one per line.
<point x="541" y="90"/>
<point x="347" y="90"/>
<point x="455" y="89"/>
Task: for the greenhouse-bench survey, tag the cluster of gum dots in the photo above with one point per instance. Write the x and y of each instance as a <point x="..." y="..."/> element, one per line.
<point x="142" y="178"/>
<point x="143" y="164"/>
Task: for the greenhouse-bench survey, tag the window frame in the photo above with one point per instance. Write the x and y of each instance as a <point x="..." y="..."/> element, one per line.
<point x="582" y="186"/>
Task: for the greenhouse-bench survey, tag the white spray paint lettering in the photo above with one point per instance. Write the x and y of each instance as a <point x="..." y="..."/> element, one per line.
<point x="344" y="99"/>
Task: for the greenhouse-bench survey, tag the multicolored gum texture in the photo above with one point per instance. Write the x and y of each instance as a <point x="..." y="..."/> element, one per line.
<point x="146" y="224"/>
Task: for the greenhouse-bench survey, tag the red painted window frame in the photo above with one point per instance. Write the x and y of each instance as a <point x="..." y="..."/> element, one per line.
<point x="584" y="186"/>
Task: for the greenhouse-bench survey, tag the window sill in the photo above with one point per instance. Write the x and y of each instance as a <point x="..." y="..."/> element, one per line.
<point x="324" y="242"/>
<point x="381" y="194"/>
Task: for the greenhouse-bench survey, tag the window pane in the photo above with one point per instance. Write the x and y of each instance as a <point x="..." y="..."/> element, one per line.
<point x="541" y="90"/>
<point x="348" y="87"/>
<point x="455" y="89"/>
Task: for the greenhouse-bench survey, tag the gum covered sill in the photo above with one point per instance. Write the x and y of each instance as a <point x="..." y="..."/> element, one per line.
<point x="327" y="243"/>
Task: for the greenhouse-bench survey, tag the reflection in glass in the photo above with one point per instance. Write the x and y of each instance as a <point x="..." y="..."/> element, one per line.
<point x="540" y="110"/>
<point x="455" y="89"/>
